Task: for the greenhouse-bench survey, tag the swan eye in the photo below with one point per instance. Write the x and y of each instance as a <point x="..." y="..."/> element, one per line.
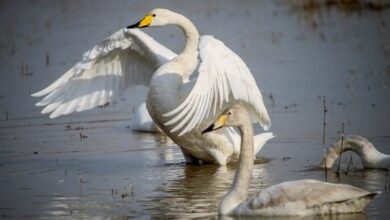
<point x="154" y="15"/>
<point x="229" y="113"/>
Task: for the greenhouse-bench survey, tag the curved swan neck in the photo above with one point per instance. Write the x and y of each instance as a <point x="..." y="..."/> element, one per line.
<point x="191" y="34"/>
<point x="240" y="186"/>
<point x="370" y="156"/>
<point x="189" y="56"/>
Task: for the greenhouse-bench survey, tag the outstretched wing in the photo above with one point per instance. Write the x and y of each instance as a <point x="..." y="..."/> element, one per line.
<point x="222" y="76"/>
<point x="126" y="58"/>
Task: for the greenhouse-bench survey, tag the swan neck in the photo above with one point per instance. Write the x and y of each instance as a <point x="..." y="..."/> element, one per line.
<point x="191" y="34"/>
<point x="188" y="58"/>
<point x="361" y="146"/>
<point x="242" y="178"/>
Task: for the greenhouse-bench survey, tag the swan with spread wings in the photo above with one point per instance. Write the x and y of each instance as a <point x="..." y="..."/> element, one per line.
<point x="179" y="103"/>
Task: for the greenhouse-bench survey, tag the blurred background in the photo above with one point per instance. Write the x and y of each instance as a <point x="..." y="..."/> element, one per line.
<point x="301" y="52"/>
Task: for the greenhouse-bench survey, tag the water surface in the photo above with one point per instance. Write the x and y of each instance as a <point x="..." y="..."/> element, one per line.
<point x="92" y="166"/>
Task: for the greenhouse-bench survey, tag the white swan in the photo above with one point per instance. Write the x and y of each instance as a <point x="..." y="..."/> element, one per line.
<point x="302" y="197"/>
<point x="181" y="106"/>
<point x="370" y="156"/>
<point x="142" y="121"/>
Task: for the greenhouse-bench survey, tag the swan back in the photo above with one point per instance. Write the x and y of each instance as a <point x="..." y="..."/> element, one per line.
<point x="305" y="197"/>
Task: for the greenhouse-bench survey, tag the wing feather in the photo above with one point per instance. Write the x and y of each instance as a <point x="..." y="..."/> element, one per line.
<point x="223" y="79"/>
<point x="124" y="59"/>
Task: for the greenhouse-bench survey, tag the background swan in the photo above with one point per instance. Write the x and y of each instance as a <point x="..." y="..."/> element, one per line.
<point x="370" y="156"/>
<point x="302" y="197"/>
<point x="142" y="121"/>
<point x="184" y="94"/>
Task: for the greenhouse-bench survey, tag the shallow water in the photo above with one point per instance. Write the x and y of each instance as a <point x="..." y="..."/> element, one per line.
<point x="91" y="165"/>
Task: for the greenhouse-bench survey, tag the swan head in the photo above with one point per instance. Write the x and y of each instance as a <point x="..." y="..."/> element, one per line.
<point x="155" y="18"/>
<point x="234" y="116"/>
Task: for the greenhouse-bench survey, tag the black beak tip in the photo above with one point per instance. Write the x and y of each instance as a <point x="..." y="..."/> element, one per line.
<point x="208" y="129"/>
<point x="133" y="26"/>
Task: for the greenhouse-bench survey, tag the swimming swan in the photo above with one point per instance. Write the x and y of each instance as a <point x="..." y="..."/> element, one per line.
<point x="370" y="156"/>
<point x="180" y="103"/>
<point x="302" y="197"/>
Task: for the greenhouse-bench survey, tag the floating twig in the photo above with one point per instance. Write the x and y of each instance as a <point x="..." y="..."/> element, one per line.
<point x="323" y="136"/>
<point x="82" y="136"/>
<point x="341" y="148"/>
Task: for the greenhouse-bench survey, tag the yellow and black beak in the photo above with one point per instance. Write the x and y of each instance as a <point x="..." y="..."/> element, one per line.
<point x="145" y="22"/>
<point x="219" y="123"/>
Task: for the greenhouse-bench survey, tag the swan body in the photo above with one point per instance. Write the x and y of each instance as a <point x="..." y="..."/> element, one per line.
<point x="305" y="197"/>
<point x="186" y="91"/>
<point x="370" y="156"/>
<point x="301" y="197"/>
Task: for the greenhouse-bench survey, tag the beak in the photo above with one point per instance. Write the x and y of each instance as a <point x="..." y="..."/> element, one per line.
<point x="134" y="25"/>
<point x="144" y="22"/>
<point x="210" y="128"/>
<point x="221" y="122"/>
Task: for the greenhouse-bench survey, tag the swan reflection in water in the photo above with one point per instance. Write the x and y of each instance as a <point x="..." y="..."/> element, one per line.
<point x="194" y="191"/>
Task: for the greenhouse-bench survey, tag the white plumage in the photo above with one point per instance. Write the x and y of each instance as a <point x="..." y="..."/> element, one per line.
<point x="223" y="76"/>
<point x="126" y="58"/>
<point x="179" y="106"/>
<point x="142" y="122"/>
<point x="371" y="158"/>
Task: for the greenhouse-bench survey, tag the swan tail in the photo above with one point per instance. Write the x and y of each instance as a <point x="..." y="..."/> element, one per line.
<point x="349" y="206"/>
<point x="261" y="139"/>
